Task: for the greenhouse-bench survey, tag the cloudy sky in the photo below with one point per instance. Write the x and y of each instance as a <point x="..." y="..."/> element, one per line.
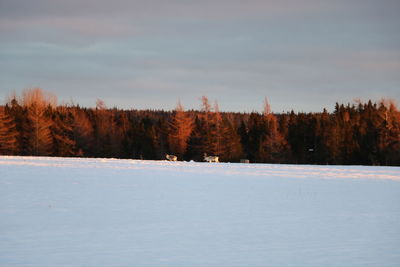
<point x="301" y="54"/>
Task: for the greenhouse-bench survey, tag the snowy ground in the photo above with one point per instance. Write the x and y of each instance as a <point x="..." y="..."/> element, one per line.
<point x="107" y="212"/>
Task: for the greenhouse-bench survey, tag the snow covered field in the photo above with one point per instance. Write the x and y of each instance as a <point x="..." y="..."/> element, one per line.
<point x="108" y="212"/>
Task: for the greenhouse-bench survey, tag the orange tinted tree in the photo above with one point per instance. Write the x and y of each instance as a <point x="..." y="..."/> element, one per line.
<point x="38" y="106"/>
<point x="8" y="134"/>
<point x="179" y="130"/>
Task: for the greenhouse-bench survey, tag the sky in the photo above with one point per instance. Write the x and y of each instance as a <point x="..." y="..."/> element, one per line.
<point x="304" y="55"/>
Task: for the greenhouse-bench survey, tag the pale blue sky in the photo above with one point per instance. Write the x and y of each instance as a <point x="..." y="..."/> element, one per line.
<point x="303" y="55"/>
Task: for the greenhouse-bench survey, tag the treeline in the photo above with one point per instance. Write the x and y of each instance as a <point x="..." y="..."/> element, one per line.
<point x="362" y="133"/>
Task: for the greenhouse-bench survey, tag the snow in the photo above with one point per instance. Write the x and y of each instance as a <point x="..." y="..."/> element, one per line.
<point x="109" y="212"/>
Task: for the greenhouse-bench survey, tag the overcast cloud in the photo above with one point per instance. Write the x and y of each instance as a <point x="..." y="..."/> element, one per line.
<point x="302" y="55"/>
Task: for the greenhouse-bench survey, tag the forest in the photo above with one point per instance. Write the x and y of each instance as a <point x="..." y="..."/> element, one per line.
<point x="353" y="134"/>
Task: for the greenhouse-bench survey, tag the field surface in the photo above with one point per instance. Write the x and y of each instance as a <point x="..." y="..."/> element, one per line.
<point x="108" y="212"/>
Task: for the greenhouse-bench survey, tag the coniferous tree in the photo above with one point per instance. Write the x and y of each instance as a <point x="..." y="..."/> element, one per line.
<point x="38" y="107"/>
<point x="83" y="132"/>
<point x="389" y="133"/>
<point x="244" y="138"/>
<point x="370" y="134"/>
<point x="8" y="134"/>
<point x="206" y="128"/>
<point x="18" y="114"/>
<point x="195" y="148"/>
<point x="161" y="128"/>
<point x="179" y="131"/>
<point x="231" y="143"/>
<point x="322" y="131"/>
<point x="273" y="146"/>
<point x="106" y="135"/>
<point x="366" y="133"/>
<point x="62" y="132"/>
<point x="147" y="140"/>
<point x="217" y="133"/>
<point x="256" y="130"/>
<point x="123" y="125"/>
